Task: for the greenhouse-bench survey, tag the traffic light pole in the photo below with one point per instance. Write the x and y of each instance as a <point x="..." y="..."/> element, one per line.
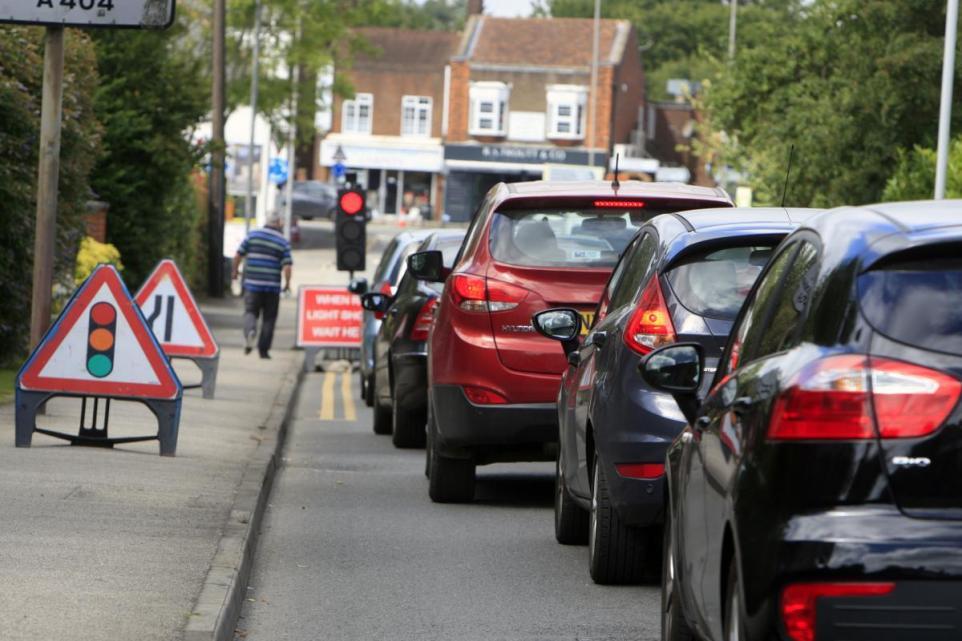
<point x="216" y="187"/>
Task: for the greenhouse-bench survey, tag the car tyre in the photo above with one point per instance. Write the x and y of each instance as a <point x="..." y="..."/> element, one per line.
<point x="369" y="391"/>
<point x="616" y="552"/>
<point x="408" y="427"/>
<point x="570" y="519"/>
<point x="450" y="480"/>
<point x="674" y="625"/>
<point x="382" y="415"/>
<point x="734" y="624"/>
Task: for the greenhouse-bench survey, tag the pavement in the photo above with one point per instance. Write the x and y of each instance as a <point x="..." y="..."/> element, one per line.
<point x="122" y="544"/>
<point x="352" y="549"/>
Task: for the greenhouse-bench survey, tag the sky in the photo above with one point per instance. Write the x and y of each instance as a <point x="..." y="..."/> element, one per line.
<point x="508" y="8"/>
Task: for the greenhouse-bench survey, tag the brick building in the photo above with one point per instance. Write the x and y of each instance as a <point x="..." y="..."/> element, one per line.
<point x="390" y="133"/>
<point x="519" y="101"/>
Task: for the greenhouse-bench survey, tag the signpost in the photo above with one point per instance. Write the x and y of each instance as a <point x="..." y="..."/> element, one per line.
<point x="177" y="323"/>
<point x="55" y="15"/>
<point x="327" y="316"/>
<point x="100" y="349"/>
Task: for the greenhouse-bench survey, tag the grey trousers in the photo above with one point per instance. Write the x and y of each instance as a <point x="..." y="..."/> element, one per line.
<point x="261" y="304"/>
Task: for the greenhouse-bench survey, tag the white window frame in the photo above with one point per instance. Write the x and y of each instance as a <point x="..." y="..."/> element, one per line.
<point x="489" y="109"/>
<point x="351" y="119"/>
<point x="419" y="106"/>
<point x="567" y="111"/>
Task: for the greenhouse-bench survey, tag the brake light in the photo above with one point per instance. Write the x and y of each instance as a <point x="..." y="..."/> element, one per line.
<point x="833" y="399"/>
<point x="619" y="204"/>
<point x="650" y="326"/>
<point x="477" y="294"/>
<point x="422" y="322"/>
<point x="799" y="601"/>
<point x="483" y="396"/>
<point x="387" y="290"/>
<point x="640" y="470"/>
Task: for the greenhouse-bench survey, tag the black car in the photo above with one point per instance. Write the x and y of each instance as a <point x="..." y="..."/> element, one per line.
<point x="683" y="278"/>
<point x="816" y="493"/>
<point x="400" y="349"/>
<point x="310" y="199"/>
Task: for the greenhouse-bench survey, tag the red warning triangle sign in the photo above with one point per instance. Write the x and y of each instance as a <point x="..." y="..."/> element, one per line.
<point x="173" y="315"/>
<point x="100" y="346"/>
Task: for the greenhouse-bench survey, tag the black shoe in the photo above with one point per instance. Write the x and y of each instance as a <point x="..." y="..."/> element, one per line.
<point x="265" y="355"/>
<point x="249" y="343"/>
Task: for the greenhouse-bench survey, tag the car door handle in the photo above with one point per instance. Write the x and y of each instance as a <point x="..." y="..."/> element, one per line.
<point x="742" y="404"/>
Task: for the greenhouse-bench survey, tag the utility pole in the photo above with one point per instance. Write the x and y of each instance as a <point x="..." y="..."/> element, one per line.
<point x="945" y="110"/>
<point x="732" y="28"/>
<point x="216" y="187"/>
<point x="249" y="199"/>
<point x="295" y="75"/>
<point x="48" y="183"/>
<point x="595" y="45"/>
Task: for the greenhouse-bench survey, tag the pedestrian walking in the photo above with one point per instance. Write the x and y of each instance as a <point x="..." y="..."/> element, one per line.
<point x="267" y="256"/>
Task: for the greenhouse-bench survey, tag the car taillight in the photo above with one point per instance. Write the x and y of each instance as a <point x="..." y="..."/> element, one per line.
<point x="640" y="470"/>
<point x="477" y="294"/>
<point x="798" y="603"/>
<point x="422" y="322"/>
<point x="833" y="399"/>
<point x="387" y="290"/>
<point x="483" y="396"/>
<point x="650" y="325"/>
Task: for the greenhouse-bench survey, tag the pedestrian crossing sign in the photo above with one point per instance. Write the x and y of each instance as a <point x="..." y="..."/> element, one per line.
<point x="173" y="314"/>
<point x="100" y="345"/>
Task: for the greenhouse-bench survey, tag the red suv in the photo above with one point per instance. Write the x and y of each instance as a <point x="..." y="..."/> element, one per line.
<point x="493" y="381"/>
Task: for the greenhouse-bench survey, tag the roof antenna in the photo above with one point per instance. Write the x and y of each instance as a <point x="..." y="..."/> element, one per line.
<point x="615" y="185"/>
<point x="788" y="172"/>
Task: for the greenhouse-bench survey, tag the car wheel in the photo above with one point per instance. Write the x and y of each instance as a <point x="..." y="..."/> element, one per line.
<point x="363" y="381"/>
<point x="734" y="625"/>
<point x="570" y="520"/>
<point x="369" y="391"/>
<point x="408" y="430"/>
<point x="429" y="434"/>
<point x="616" y="552"/>
<point x="450" y="480"/>
<point x="674" y="626"/>
<point x="382" y="415"/>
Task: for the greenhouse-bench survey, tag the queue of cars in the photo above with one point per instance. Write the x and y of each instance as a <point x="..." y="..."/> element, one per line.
<point x="761" y="404"/>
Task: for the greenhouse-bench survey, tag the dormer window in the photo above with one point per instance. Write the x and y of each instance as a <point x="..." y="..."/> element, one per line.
<point x="489" y="108"/>
<point x="566" y="111"/>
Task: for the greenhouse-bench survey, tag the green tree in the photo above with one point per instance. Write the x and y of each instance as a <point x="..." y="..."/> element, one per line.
<point x="914" y="175"/>
<point x="21" y="64"/>
<point x="152" y="93"/>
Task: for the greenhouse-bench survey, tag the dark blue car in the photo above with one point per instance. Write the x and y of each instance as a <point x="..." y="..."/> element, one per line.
<point x="683" y="278"/>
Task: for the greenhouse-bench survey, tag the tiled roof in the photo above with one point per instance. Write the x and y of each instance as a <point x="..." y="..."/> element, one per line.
<point x="406" y="48"/>
<point x="547" y="42"/>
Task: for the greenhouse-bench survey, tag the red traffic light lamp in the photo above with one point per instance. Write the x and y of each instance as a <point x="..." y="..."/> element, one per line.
<point x="351" y="202"/>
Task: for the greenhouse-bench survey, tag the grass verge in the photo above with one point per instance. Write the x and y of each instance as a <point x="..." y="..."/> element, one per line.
<point x="7" y="377"/>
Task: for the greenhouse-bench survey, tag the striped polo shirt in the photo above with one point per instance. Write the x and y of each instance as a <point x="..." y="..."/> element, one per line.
<point x="267" y="251"/>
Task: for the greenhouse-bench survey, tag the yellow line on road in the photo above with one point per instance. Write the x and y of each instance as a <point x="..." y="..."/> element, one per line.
<point x="347" y="399"/>
<point x="327" y="397"/>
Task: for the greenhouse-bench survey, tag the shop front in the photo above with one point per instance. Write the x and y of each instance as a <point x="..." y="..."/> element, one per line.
<point x="472" y="169"/>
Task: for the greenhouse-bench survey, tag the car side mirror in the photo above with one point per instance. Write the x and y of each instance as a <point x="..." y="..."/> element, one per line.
<point x="358" y="286"/>
<point x="428" y="266"/>
<point x="561" y="324"/>
<point x="375" y="302"/>
<point x="676" y="369"/>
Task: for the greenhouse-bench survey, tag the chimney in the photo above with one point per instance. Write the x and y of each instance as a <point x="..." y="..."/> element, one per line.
<point x="475" y="7"/>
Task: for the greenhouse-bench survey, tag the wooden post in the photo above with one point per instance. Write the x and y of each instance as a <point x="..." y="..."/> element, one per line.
<point x="48" y="178"/>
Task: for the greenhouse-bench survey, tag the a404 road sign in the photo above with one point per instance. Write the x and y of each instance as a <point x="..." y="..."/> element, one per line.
<point x="146" y="14"/>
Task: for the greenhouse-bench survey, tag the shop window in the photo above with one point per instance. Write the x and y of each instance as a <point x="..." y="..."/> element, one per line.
<point x="357" y="114"/>
<point x="566" y="111"/>
<point x="416" y="116"/>
<point x="489" y="106"/>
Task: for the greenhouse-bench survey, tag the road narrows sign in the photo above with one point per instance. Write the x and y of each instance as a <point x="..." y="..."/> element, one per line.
<point x="173" y="314"/>
<point x="147" y="14"/>
<point x="100" y="346"/>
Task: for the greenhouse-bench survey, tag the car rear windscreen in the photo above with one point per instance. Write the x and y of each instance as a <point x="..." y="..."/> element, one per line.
<point x="916" y="301"/>
<point x="565" y="237"/>
<point x="715" y="283"/>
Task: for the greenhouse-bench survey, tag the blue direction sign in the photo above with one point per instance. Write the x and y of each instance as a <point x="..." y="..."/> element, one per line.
<point x="277" y="170"/>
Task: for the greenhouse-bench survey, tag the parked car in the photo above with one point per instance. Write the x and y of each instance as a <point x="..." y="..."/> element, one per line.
<point x="310" y="199"/>
<point x="493" y="381"/>
<point x="816" y="494"/>
<point x="400" y="349"/>
<point x="387" y="275"/>
<point x="683" y="278"/>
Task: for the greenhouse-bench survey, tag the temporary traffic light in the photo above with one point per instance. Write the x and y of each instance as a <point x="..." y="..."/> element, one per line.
<point x="350" y="230"/>
<point x="101" y="337"/>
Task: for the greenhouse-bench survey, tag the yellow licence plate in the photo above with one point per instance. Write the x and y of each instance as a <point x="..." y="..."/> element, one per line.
<point x="588" y="318"/>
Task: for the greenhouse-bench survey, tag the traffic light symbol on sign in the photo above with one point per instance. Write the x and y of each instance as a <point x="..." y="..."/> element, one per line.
<point x="351" y="230"/>
<point x="101" y="339"/>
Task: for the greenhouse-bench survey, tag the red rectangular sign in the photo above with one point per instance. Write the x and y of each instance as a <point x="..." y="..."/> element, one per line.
<point x="328" y="316"/>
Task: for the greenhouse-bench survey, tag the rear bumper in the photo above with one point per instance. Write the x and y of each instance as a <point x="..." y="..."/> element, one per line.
<point x="523" y="428"/>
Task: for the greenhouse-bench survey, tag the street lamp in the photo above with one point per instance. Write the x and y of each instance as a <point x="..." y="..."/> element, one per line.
<point x="945" y="111"/>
